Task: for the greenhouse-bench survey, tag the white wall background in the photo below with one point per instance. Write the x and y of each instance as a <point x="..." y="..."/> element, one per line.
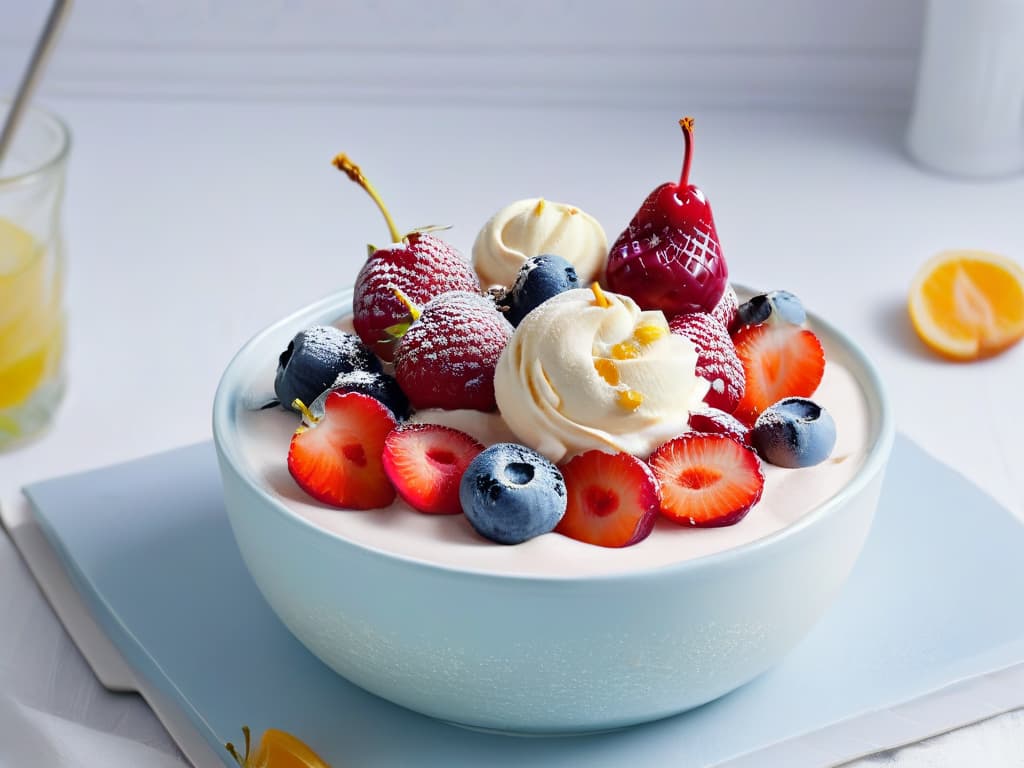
<point x="785" y="53"/>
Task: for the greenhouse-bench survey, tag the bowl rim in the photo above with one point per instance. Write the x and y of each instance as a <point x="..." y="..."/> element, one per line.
<point x="224" y="405"/>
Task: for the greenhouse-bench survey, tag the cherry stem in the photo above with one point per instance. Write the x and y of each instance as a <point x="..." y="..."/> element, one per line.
<point x="355" y="173"/>
<point x="687" y="125"/>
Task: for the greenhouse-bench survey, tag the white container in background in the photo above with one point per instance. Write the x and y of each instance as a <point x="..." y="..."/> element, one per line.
<point x="968" y="116"/>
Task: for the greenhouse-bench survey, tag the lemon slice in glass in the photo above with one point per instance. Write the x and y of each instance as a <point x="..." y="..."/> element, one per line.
<point x="30" y="316"/>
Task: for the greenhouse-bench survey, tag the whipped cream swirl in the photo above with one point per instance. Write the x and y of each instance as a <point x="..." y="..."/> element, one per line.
<point x="589" y="370"/>
<point x="533" y="227"/>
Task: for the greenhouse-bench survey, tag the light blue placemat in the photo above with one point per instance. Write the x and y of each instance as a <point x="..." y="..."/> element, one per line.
<point x="935" y="598"/>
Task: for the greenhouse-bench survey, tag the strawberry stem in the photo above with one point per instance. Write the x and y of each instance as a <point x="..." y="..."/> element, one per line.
<point x="687" y="125"/>
<point x="355" y="173"/>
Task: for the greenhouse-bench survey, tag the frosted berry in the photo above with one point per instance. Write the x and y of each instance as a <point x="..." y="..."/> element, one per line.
<point x="716" y="358"/>
<point x="446" y="358"/>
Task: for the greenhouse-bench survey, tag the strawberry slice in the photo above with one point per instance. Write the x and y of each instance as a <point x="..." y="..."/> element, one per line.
<point x="425" y="463"/>
<point x="336" y="457"/>
<point x="613" y="499"/>
<point x="779" y="360"/>
<point x="707" y="481"/>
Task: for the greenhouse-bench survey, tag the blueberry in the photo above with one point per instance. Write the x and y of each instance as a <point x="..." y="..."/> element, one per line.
<point x="511" y="493"/>
<point x="373" y="383"/>
<point x="795" y="432"/>
<point x="538" y="280"/>
<point x="314" y="359"/>
<point x="785" y="305"/>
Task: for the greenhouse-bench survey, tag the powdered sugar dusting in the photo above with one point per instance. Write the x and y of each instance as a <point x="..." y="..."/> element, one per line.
<point x="717" y="360"/>
<point x="446" y="359"/>
<point x="424" y="269"/>
<point x="725" y="310"/>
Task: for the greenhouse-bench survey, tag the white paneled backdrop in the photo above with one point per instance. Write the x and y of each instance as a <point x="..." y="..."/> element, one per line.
<point x="730" y="53"/>
<point x="171" y="187"/>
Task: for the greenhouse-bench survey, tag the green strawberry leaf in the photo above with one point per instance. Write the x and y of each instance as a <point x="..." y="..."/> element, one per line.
<point x="396" y="331"/>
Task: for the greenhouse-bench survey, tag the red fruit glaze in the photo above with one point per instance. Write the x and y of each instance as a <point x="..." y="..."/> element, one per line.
<point x="714" y="421"/>
<point x="612" y="499"/>
<point x="716" y="358"/>
<point x="338" y="460"/>
<point x="425" y="463"/>
<point x="669" y="257"/>
<point x="707" y="481"/>
<point x="422" y="267"/>
<point x="447" y="357"/>
<point x="779" y="360"/>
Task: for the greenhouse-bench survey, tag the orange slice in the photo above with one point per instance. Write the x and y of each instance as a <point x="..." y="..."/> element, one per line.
<point x="968" y="304"/>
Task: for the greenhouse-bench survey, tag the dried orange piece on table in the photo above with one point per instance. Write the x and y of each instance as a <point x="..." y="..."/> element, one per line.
<point x="968" y="304"/>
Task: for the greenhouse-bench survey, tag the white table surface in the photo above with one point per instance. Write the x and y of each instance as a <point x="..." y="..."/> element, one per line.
<point x="191" y="225"/>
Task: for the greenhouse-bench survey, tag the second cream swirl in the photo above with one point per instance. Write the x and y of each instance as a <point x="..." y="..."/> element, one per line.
<point x="579" y="375"/>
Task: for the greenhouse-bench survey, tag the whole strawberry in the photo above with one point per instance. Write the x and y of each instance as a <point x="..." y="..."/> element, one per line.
<point x="446" y="358"/>
<point x="717" y="361"/>
<point x="420" y="265"/>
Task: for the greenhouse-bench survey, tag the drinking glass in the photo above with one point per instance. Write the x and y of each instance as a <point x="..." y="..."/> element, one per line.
<point x="32" y="318"/>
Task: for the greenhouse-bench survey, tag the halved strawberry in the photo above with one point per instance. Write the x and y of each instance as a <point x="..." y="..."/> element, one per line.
<point x="613" y="499"/>
<point x="425" y="463"/>
<point x="707" y="480"/>
<point x="336" y="457"/>
<point x="779" y="360"/>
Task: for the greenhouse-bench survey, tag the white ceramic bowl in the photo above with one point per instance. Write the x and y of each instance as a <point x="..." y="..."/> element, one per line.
<point x="542" y="655"/>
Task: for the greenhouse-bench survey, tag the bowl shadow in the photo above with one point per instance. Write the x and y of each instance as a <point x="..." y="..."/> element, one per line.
<point x="896" y="330"/>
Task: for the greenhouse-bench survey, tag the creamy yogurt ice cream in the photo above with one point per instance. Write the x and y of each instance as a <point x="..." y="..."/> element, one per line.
<point x="535" y="226"/>
<point x="450" y="541"/>
<point x="590" y="370"/>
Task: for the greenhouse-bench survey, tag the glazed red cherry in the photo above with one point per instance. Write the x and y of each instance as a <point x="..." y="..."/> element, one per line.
<point x="669" y="257"/>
